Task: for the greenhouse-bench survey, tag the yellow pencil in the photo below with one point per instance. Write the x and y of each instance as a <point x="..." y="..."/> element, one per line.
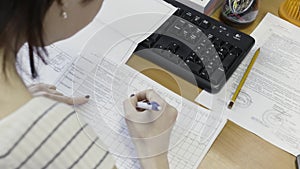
<point x="238" y="89"/>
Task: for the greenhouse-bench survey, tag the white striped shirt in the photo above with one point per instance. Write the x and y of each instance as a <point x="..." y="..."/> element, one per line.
<point x="47" y="134"/>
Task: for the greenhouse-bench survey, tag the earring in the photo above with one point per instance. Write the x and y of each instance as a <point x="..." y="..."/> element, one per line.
<point x="64" y="14"/>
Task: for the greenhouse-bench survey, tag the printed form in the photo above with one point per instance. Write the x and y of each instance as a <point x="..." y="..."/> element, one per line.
<point x="109" y="82"/>
<point x="269" y="102"/>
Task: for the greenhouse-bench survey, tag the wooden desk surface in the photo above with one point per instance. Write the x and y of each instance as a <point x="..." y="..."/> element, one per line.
<point x="235" y="147"/>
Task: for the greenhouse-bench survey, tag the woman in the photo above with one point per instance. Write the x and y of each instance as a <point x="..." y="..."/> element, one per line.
<point x="42" y="133"/>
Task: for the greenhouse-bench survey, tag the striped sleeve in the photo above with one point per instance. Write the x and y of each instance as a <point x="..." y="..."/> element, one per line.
<point x="46" y="134"/>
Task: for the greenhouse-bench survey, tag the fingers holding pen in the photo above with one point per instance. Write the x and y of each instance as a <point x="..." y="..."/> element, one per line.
<point x="150" y="129"/>
<point x="167" y="114"/>
<point x="149" y="95"/>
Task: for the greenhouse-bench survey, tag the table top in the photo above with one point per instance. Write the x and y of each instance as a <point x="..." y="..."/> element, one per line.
<point x="235" y="147"/>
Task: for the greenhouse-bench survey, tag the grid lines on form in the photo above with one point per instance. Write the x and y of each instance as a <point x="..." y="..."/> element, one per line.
<point x="109" y="84"/>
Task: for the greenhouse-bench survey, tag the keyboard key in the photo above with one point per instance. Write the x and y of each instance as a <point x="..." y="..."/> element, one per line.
<point x="158" y="49"/>
<point x="193" y="38"/>
<point x="192" y="56"/>
<point x="190" y="27"/>
<point x="236" y="51"/>
<point x="209" y="68"/>
<point x="175" y="29"/>
<point x="173" y="47"/>
<point x="211" y="37"/>
<point x="205" y="24"/>
<point x="228" y="61"/>
<point x="179" y="12"/>
<point x="188" y="16"/>
<point x="227" y="46"/>
<point x="198" y="61"/>
<point x="186" y="34"/>
<point x="204" y="74"/>
<point x="222" y="53"/>
<point x="217" y="42"/>
<point x="158" y="46"/>
<point x="193" y="66"/>
<point x="216" y="60"/>
<point x="180" y="23"/>
<point x="213" y="27"/>
<point x="217" y="76"/>
<point x="175" y="58"/>
<point x="197" y="20"/>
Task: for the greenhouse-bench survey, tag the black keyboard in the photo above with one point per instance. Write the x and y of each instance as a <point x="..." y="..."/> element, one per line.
<point x="196" y="47"/>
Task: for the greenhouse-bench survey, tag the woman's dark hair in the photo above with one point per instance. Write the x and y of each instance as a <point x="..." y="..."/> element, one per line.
<point x="24" y="19"/>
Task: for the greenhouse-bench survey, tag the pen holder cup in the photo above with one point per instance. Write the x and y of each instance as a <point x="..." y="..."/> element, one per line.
<point x="239" y="12"/>
<point x="290" y="11"/>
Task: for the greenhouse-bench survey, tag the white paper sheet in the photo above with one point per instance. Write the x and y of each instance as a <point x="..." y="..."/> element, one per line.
<point x="135" y="19"/>
<point x="109" y="83"/>
<point x="269" y="102"/>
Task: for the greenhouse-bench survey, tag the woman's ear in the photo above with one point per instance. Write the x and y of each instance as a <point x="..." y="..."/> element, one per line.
<point x="59" y="2"/>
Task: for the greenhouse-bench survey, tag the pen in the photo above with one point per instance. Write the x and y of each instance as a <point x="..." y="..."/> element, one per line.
<point x="148" y="105"/>
<point x="238" y="89"/>
<point x="298" y="161"/>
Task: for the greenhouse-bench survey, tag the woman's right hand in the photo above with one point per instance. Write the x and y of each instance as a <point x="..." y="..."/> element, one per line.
<point x="150" y="130"/>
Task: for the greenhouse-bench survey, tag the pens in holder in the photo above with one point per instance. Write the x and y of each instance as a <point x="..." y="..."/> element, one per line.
<point x="148" y="105"/>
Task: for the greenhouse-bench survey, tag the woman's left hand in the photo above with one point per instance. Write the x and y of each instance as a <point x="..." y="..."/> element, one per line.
<point x="49" y="91"/>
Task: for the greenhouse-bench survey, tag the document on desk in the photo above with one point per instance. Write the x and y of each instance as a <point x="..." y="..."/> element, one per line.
<point x="269" y="103"/>
<point x="109" y="83"/>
